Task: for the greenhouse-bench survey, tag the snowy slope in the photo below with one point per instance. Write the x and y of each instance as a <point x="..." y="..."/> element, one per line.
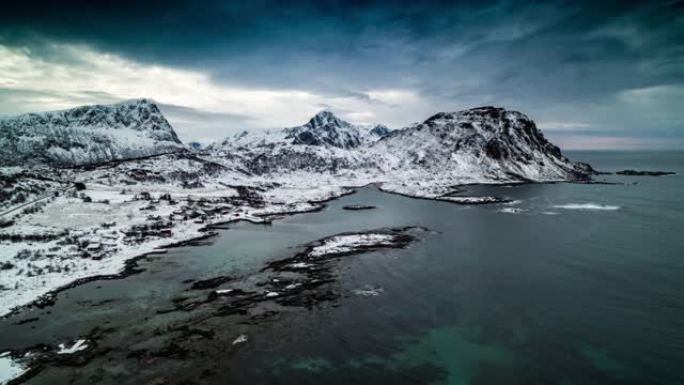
<point x="325" y="144"/>
<point x="87" y="134"/>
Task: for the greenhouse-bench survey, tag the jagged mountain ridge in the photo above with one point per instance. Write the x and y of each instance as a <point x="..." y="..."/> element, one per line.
<point x="487" y="141"/>
<point x="485" y="144"/>
<point x="87" y="135"/>
<point x="478" y="145"/>
<point x="323" y="129"/>
<point x="325" y="144"/>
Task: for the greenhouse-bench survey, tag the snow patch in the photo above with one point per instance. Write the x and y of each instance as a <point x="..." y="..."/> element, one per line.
<point x="9" y="368"/>
<point x="346" y="243"/>
<point x="300" y="265"/>
<point x="78" y="346"/>
<point x="241" y="339"/>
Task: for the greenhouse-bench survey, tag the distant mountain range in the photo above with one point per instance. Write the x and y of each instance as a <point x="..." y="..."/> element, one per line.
<point x="324" y="129"/>
<point x="485" y="143"/>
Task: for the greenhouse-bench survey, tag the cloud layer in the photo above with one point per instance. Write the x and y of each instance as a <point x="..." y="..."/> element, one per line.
<point x="582" y="70"/>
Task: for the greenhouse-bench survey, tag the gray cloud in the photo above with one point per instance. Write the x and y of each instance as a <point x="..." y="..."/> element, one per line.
<point x="188" y="121"/>
<point x="557" y="61"/>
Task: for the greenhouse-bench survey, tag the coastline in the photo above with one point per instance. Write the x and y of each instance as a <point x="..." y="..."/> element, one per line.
<point x="124" y="263"/>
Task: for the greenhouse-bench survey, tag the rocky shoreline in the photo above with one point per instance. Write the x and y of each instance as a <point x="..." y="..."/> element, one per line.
<point x="206" y="231"/>
<point x="302" y="280"/>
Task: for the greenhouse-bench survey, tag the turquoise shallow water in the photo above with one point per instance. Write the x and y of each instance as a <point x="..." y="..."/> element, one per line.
<point x="572" y="284"/>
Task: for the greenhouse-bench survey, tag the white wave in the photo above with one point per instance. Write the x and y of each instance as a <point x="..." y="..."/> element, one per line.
<point x="369" y="291"/>
<point x="587" y="206"/>
<point x="550" y="213"/>
<point x="511" y="210"/>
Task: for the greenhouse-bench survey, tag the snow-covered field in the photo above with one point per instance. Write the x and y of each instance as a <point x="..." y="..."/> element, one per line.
<point x="95" y="231"/>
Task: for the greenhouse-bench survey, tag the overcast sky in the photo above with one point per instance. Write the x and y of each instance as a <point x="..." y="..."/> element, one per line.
<point x="592" y="75"/>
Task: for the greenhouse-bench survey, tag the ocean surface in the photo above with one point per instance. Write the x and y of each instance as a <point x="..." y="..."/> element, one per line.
<point x="568" y="284"/>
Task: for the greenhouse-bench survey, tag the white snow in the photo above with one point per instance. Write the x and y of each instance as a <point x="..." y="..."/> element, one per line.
<point x="78" y="346"/>
<point x="300" y="265"/>
<point x="347" y="243"/>
<point x="242" y="338"/>
<point x="9" y="368"/>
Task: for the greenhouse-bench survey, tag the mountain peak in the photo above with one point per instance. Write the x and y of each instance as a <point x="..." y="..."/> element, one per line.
<point x="379" y="130"/>
<point x="325" y="129"/>
<point x="493" y="141"/>
<point x="137" y="101"/>
<point x="325" y="118"/>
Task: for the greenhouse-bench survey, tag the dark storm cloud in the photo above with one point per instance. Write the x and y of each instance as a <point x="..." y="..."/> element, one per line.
<point x="554" y="59"/>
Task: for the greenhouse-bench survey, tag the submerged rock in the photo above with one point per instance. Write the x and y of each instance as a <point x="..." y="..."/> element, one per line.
<point x="211" y="283"/>
<point x="358" y="207"/>
<point x="644" y="173"/>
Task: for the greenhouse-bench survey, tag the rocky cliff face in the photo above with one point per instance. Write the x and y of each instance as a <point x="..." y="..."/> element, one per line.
<point x="87" y="135"/>
<point x="486" y="142"/>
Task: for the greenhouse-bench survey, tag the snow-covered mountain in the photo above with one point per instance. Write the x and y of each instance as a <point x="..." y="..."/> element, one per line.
<point x="479" y="145"/>
<point x="485" y="143"/>
<point x="324" y="129"/>
<point x="378" y="131"/>
<point x="87" y="135"/>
